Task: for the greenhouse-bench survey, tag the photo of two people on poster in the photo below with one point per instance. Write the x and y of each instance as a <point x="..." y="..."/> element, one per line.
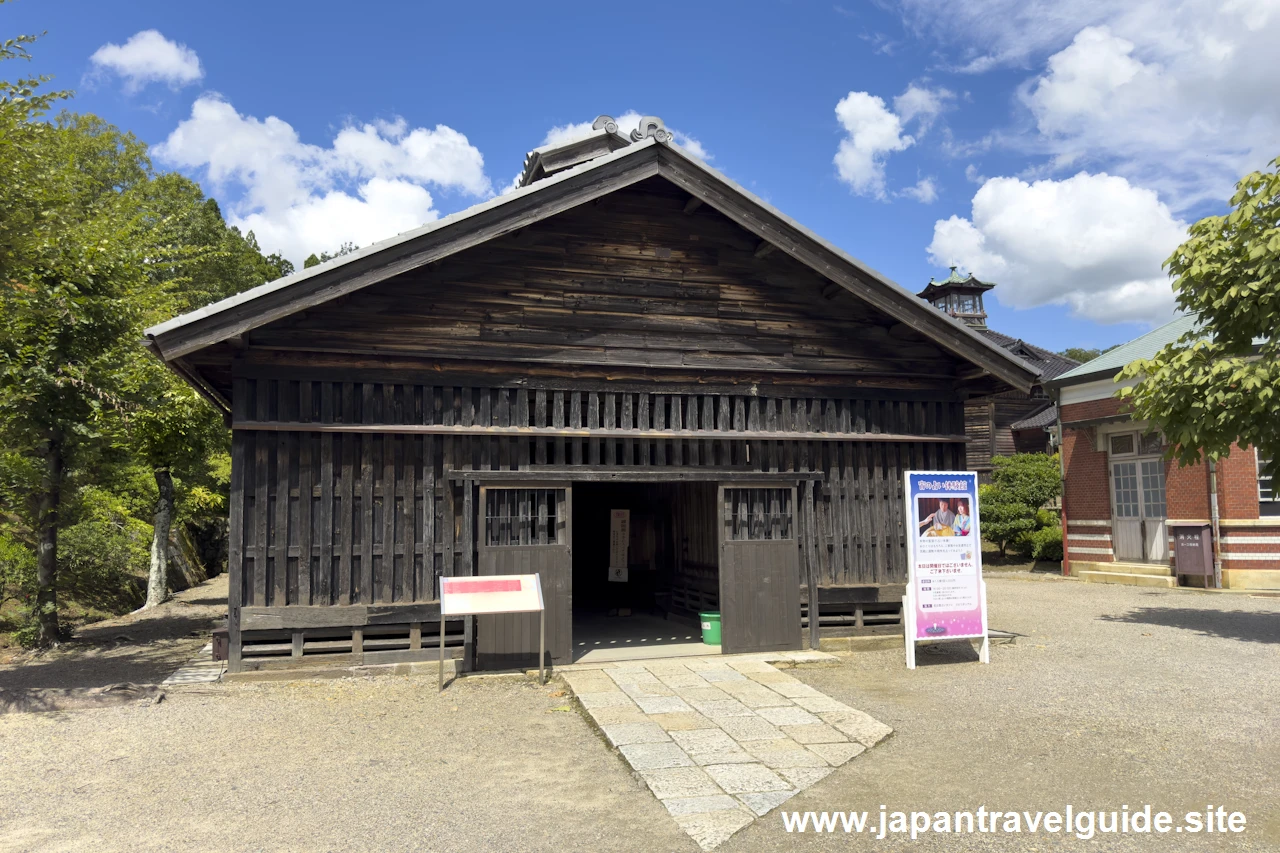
<point x="944" y="521"/>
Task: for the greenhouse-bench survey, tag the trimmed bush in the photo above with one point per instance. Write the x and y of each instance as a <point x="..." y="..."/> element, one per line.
<point x="1045" y="544"/>
<point x="1011" y="507"/>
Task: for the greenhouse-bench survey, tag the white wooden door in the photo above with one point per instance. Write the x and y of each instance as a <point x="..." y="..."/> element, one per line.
<point x="1155" y="530"/>
<point x="1138" y="529"/>
<point x="1126" y="512"/>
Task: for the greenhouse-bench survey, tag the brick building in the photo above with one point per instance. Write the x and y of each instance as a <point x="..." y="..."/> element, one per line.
<point x="1124" y="503"/>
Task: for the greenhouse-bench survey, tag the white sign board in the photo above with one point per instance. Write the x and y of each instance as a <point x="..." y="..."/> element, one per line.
<point x="477" y="596"/>
<point x="472" y="596"/>
<point x="619" y="541"/>
<point x="946" y="596"/>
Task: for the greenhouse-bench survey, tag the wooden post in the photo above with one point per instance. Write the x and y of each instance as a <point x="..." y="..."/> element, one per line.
<point x="810" y="554"/>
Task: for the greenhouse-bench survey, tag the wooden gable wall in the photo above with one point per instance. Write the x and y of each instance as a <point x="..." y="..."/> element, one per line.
<point x="631" y="281"/>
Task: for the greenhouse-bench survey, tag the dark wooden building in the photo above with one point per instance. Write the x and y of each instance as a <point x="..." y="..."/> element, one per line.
<point x="627" y="329"/>
<point x="1012" y="421"/>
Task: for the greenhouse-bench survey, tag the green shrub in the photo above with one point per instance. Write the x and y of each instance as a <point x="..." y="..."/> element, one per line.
<point x="104" y="557"/>
<point x="1033" y="479"/>
<point x="1003" y="522"/>
<point x="1045" y="543"/>
<point x="17" y="570"/>
<point x="1011" y="507"/>
<point x="105" y="561"/>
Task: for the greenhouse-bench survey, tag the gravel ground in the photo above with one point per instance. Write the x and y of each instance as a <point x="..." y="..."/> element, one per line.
<point x="1117" y="696"/>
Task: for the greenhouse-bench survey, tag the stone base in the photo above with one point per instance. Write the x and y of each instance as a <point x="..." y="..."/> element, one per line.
<point x="1261" y="579"/>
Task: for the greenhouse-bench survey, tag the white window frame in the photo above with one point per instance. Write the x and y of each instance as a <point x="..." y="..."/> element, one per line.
<point x="1269" y="495"/>
<point x="1137" y="451"/>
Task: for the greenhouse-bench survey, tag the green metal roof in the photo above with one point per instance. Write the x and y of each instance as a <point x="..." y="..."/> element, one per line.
<point x="956" y="278"/>
<point x="1144" y="347"/>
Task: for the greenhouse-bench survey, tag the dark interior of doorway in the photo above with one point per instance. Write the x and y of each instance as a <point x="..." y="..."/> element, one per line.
<point x="672" y="567"/>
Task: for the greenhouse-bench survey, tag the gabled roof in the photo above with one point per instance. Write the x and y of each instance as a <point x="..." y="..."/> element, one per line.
<point x="1109" y="363"/>
<point x="638" y="161"/>
<point x="549" y="159"/>
<point x="1048" y="364"/>
<point x="1043" y="419"/>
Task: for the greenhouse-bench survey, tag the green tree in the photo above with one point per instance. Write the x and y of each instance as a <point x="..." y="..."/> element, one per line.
<point x="1220" y="383"/>
<point x="69" y="261"/>
<point x="97" y="437"/>
<point x="1021" y="485"/>
<point x="314" y="260"/>
<point x="1083" y="355"/>
<point x="193" y="259"/>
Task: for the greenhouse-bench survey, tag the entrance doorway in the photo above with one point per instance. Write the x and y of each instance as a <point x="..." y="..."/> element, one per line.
<point x="671" y="569"/>
<point x="1138" y="526"/>
<point x="688" y="548"/>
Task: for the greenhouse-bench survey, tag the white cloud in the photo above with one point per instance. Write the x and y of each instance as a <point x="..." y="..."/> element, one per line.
<point x="299" y="198"/>
<point x="1094" y="243"/>
<point x="1177" y="95"/>
<point x="873" y="132"/>
<point x="627" y="122"/>
<point x="922" y="103"/>
<point x="148" y="57"/>
<point x="925" y="191"/>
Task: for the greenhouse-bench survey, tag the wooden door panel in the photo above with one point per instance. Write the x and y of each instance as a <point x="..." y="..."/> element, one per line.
<point x="760" y="597"/>
<point x="759" y="570"/>
<point x="1126" y="538"/>
<point x="511" y="641"/>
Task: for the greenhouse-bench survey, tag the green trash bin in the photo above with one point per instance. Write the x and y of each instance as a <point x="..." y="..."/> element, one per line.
<point x="710" y="628"/>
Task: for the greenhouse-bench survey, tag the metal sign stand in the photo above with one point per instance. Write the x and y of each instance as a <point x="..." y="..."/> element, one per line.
<point x="909" y="602"/>
<point x="542" y="648"/>
<point x="513" y="594"/>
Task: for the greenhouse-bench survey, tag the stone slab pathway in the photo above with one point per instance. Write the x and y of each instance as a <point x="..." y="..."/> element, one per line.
<point x="721" y="740"/>
<point x="201" y="669"/>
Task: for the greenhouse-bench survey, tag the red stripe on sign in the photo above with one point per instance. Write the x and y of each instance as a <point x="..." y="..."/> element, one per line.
<point x="470" y="587"/>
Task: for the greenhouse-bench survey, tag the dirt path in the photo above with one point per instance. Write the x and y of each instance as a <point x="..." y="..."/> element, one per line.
<point x="142" y="648"/>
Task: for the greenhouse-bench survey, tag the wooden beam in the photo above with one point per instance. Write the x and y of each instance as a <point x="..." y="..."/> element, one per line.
<point x="279" y="364"/>
<point x="691" y="205"/>
<point x="765" y="248"/>
<point x="296" y="617"/>
<point x="587" y="432"/>
<point x="603" y="474"/>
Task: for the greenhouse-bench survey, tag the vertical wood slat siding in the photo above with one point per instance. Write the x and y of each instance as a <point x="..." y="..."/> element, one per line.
<point x="318" y="544"/>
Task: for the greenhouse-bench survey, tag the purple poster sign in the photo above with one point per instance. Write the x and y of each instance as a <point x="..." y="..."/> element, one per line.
<point x="946" y="596"/>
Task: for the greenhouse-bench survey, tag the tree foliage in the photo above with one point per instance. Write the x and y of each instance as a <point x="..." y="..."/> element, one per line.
<point x="94" y="247"/>
<point x="1010" y="506"/>
<point x="1219" y="385"/>
<point x="314" y="260"/>
<point x="1083" y="355"/>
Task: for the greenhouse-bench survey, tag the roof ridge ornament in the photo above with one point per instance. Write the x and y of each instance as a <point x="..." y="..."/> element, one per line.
<point x="649" y="126"/>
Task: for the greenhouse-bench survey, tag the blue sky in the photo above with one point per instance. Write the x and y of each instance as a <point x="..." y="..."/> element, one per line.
<point x="1057" y="149"/>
